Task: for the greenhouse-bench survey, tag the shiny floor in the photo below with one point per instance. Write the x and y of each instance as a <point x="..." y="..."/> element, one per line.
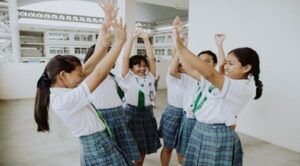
<point x="20" y="144"/>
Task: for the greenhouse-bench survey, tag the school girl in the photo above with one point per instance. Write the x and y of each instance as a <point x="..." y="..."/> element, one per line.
<point x="188" y="120"/>
<point x="61" y="89"/>
<point x="138" y="74"/>
<point x="171" y="118"/>
<point x="108" y="100"/>
<point x="218" y="104"/>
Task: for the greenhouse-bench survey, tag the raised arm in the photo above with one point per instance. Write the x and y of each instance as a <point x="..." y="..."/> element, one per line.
<point x="219" y="39"/>
<point x="150" y="54"/>
<point x="125" y="63"/>
<point x="186" y="57"/>
<point x="103" y="67"/>
<point x="174" y="65"/>
<point x="110" y="13"/>
<point x="186" y="67"/>
<point x="103" y="40"/>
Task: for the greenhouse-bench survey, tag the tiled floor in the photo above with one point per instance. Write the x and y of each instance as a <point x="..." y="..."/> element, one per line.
<point x="22" y="145"/>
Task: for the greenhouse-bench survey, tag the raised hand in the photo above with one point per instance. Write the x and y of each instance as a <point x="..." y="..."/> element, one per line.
<point x="120" y="30"/>
<point x="110" y="10"/>
<point x="178" y="24"/>
<point x="144" y="35"/>
<point x="105" y="36"/>
<point x="177" y="37"/>
<point x="135" y="34"/>
<point x="219" y="38"/>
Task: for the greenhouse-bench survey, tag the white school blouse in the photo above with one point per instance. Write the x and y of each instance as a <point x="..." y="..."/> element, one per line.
<point x="133" y="83"/>
<point x="224" y="106"/>
<point x="106" y="94"/>
<point x="175" y="90"/>
<point x="191" y="85"/>
<point x="73" y="107"/>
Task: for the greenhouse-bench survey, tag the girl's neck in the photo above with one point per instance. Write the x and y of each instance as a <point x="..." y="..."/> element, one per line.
<point x="58" y="84"/>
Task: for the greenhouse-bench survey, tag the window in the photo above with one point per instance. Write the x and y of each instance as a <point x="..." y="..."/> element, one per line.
<point x="79" y="37"/>
<point x="140" y="40"/>
<point x="160" y="39"/>
<point x="169" y="52"/>
<point x="59" y="36"/>
<point x="59" y="50"/>
<point x="80" y="50"/>
<point x="159" y="52"/>
<point x="169" y="39"/>
<point x="141" y="52"/>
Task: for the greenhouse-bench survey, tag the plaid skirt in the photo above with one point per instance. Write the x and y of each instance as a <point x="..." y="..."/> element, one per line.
<point x="185" y="131"/>
<point x="170" y="125"/>
<point x="116" y="120"/>
<point x="143" y="126"/>
<point x="99" y="150"/>
<point x="213" y="145"/>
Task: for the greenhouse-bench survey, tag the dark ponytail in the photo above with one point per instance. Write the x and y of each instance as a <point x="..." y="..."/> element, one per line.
<point x="247" y="56"/>
<point x="57" y="64"/>
<point x="259" y="86"/>
<point x="42" y="102"/>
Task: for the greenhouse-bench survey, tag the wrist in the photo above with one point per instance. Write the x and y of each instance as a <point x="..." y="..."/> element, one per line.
<point x="151" y="58"/>
<point x="120" y="41"/>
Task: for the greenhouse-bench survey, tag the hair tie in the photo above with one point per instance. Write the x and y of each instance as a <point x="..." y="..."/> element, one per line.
<point x="44" y="81"/>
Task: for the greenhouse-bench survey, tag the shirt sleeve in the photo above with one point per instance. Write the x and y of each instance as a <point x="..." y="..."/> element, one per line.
<point x="236" y="90"/>
<point x="78" y="97"/>
<point x="236" y="94"/>
<point x="125" y="81"/>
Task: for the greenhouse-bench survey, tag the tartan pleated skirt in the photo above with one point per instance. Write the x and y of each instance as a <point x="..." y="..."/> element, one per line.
<point x="170" y="125"/>
<point x="143" y="127"/>
<point x="116" y="119"/>
<point x="98" y="149"/>
<point x="213" y="145"/>
<point x="185" y="131"/>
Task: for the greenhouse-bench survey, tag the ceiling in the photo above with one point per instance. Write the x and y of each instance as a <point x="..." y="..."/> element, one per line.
<point x="146" y="10"/>
<point x="177" y="4"/>
<point x="156" y="13"/>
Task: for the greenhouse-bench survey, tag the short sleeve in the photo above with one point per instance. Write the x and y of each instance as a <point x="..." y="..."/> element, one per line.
<point x="225" y="87"/>
<point x="237" y="92"/>
<point x="78" y="97"/>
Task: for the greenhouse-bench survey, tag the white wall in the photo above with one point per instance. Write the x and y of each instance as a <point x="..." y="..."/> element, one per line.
<point x="18" y="80"/>
<point x="272" y="28"/>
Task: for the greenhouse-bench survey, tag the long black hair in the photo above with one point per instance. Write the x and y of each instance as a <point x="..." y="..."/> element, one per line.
<point x="59" y="63"/>
<point x="246" y="56"/>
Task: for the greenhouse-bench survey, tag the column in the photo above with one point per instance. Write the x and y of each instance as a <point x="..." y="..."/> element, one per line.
<point x="14" y="30"/>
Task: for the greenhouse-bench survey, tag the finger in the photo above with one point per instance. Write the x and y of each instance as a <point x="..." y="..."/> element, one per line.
<point x="115" y="13"/>
<point x="114" y="23"/>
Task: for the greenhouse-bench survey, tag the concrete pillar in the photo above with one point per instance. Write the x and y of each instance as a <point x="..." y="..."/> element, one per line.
<point x="14" y="30"/>
<point x="127" y="10"/>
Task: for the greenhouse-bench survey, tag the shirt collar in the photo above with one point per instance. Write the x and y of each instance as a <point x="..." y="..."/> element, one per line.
<point x="59" y="90"/>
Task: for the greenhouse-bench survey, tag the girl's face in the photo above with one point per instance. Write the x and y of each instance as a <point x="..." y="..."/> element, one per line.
<point x="207" y="58"/>
<point x="234" y="69"/>
<point x="140" y="69"/>
<point x="72" y="79"/>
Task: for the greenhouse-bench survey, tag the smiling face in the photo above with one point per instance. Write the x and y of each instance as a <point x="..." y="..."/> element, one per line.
<point x="234" y="69"/>
<point x="140" y="68"/>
